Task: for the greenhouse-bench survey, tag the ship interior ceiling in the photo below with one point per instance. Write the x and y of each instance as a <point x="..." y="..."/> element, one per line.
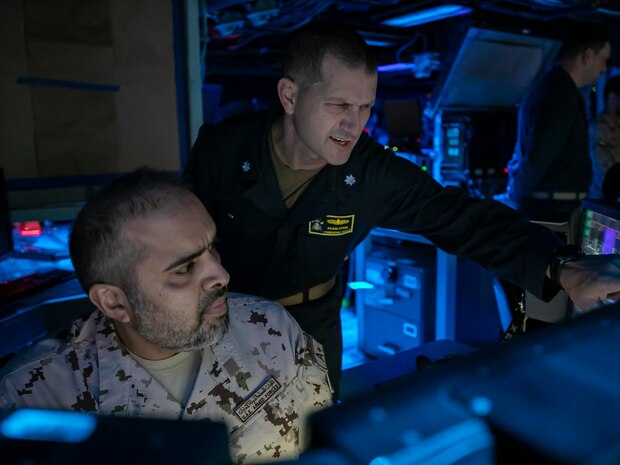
<point x="242" y="39"/>
<point x="463" y="62"/>
<point x="429" y="373"/>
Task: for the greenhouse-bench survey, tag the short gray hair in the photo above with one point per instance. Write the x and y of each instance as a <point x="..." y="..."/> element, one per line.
<point x="99" y="252"/>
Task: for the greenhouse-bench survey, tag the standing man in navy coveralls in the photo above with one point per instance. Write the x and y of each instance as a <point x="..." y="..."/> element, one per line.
<point x="295" y="190"/>
<point x="550" y="171"/>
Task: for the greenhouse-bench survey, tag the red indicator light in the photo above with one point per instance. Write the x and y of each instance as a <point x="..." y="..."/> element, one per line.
<point x="506" y="170"/>
<point x="29" y="228"/>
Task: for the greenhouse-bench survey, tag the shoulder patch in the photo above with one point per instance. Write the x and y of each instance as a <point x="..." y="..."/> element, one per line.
<point x="318" y="355"/>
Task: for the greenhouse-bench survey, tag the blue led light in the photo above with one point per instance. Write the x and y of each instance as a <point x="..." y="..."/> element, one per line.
<point x="379" y="42"/>
<point x="355" y="285"/>
<point x="380" y="461"/>
<point x="428" y="15"/>
<point x="481" y="406"/>
<point x="48" y="425"/>
<point x="395" y="67"/>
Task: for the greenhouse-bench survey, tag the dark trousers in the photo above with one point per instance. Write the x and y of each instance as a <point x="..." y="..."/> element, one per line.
<point x="321" y="319"/>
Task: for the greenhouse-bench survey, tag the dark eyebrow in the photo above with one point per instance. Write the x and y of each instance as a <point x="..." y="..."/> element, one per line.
<point x="186" y="259"/>
<point x="341" y="101"/>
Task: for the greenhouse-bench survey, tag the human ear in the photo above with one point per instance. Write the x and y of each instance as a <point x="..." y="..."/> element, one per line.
<point x="111" y="300"/>
<point x="287" y="92"/>
<point x="587" y="55"/>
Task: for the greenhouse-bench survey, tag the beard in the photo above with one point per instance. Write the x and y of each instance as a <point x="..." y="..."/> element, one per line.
<point x="160" y="326"/>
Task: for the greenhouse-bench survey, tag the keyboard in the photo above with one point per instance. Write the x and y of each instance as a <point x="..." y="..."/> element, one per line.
<point x="31" y="284"/>
<point x="39" y="253"/>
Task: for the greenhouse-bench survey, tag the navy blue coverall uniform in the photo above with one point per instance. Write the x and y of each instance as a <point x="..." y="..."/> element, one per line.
<point x="550" y="170"/>
<point x="274" y="252"/>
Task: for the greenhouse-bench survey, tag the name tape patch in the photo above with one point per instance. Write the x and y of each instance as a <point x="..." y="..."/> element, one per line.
<point x="252" y="404"/>
<point x="332" y="225"/>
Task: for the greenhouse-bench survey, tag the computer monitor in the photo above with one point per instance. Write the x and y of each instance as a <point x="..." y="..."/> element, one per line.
<point x="6" y="227"/>
<point x="597" y="232"/>
<point x="40" y="437"/>
<point x="404" y="124"/>
<point x="600" y="228"/>
<point x="552" y="397"/>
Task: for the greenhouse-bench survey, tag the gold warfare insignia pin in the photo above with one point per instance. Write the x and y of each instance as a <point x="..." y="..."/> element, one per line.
<point x="332" y="225"/>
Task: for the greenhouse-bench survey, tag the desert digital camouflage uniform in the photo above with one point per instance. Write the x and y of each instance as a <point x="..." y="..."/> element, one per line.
<point x="261" y="379"/>
<point x="605" y="151"/>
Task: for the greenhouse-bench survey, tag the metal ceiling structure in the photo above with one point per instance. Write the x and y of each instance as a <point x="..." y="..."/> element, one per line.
<point x="242" y="38"/>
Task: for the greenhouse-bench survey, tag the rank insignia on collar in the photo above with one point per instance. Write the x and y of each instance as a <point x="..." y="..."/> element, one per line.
<point x="245" y="166"/>
<point x="349" y="180"/>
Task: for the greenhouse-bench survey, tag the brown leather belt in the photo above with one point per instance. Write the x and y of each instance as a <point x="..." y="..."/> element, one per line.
<point x="314" y="293"/>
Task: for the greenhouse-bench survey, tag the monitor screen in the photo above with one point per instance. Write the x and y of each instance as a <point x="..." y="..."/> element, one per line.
<point x="40" y="437"/>
<point x="404" y="123"/>
<point x="600" y="228"/>
<point x="6" y="227"/>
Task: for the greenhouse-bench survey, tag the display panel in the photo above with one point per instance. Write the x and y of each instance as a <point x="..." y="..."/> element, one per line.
<point x="600" y="228"/>
<point x="6" y="238"/>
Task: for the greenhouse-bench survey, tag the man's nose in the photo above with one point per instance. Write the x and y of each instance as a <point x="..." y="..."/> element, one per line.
<point x="352" y="121"/>
<point x="215" y="275"/>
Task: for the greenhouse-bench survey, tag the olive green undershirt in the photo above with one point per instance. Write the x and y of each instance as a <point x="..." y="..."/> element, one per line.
<point x="292" y="182"/>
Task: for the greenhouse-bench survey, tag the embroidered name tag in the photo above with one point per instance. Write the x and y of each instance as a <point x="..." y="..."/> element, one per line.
<point x="248" y="407"/>
<point x="332" y="225"/>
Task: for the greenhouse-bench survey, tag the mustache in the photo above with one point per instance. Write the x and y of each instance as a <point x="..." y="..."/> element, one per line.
<point x="209" y="299"/>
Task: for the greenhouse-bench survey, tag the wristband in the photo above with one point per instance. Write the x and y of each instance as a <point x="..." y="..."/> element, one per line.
<point x="560" y="257"/>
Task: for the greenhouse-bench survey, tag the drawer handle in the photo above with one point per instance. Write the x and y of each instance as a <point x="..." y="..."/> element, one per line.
<point x="387" y="348"/>
<point x="409" y="329"/>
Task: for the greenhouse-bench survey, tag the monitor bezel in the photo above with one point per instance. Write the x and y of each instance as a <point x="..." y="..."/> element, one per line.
<point x="601" y="207"/>
<point x="5" y="211"/>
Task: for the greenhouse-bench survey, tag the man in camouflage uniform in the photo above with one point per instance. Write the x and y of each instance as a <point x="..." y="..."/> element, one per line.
<point x="168" y="341"/>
